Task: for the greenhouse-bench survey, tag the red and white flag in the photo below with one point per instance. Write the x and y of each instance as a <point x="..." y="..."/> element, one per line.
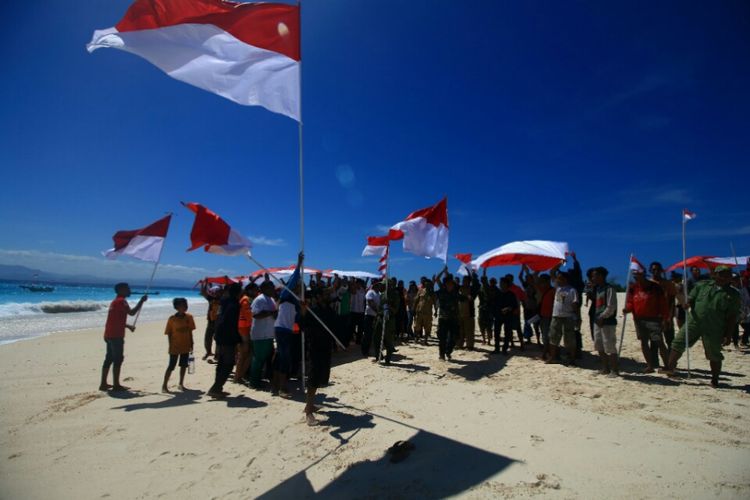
<point x="636" y="266"/>
<point x="466" y="266"/>
<point x="425" y="232"/>
<point x="538" y="255"/>
<point x="144" y="244"/>
<point x="379" y="245"/>
<point x="688" y="215"/>
<point x="246" y="52"/>
<point x="376" y="245"/>
<point x="213" y="234"/>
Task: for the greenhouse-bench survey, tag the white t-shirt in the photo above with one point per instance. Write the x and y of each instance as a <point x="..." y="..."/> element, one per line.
<point x="373" y="296"/>
<point x="287" y="314"/>
<point x="262" y="328"/>
<point x="565" y="299"/>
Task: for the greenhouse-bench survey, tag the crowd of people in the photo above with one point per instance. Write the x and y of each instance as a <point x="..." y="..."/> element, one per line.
<point x="255" y="330"/>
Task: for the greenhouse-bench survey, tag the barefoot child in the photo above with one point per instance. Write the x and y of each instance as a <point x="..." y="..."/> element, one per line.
<point x="179" y="331"/>
<point x="114" y="335"/>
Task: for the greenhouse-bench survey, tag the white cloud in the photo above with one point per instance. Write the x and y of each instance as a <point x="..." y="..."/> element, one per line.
<point x="70" y="264"/>
<point x="267" y="242"/>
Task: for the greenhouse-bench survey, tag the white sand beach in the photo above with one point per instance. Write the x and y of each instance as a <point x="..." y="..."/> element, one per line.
<point x="483" y="426"/>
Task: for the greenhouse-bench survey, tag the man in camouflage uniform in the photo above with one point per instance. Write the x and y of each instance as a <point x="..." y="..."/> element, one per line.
<point x="390" y="301"/>
<point x="713" y="308"/>
<point x="424" y="305"/>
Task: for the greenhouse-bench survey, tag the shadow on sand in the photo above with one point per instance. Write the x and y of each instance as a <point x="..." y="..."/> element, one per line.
<point x="183" y="398"/>
<point x="438" y="467"/>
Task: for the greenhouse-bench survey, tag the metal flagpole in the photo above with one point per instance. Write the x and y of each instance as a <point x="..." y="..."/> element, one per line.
<point x="625" y="314"/>
<point x="687" y="300"/>
<point x="302" y="197"/>
<point x="151" y="279"/>
<point x="385" y="306"/>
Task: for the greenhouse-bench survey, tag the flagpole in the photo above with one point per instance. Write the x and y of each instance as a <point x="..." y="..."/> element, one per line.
<point x="687" y="300"/>
<point x="382" y="336"/>
<point x="153" y="273"/>
<point x="625" y="314"/>
<point x="302" y="195"/>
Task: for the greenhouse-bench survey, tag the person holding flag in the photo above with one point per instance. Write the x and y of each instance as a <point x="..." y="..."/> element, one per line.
<point x="145" y="244"/>
<point x="114" y="335"/>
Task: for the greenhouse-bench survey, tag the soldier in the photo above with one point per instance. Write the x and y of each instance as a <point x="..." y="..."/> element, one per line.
<point x="447" y="299"/>
<point x="424" y="305"/>
<point x="390" y="301"/>
<point x="713" y="307"/>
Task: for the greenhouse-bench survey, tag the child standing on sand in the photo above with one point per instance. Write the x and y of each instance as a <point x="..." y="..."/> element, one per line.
<point x="179" y="331"/>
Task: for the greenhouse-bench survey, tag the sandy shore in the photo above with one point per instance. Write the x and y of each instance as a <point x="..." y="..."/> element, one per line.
<point x="483" y="427"/>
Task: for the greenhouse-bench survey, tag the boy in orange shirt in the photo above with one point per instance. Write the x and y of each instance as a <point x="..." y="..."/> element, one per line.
<point x="179" y="331"/>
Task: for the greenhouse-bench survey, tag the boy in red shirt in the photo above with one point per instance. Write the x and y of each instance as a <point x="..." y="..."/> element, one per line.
<point x="114" y="335"/>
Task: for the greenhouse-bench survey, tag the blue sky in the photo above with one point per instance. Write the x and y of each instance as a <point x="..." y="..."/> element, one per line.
<point x="588" y="122"/>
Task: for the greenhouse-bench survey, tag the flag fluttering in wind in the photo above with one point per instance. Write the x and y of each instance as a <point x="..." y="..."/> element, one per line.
<point x="538" y="255"/>
<point x="379" y="245"/>
<point x="376" y="245"/>
<point x="246" y="52"/>
<point x="688" y="215"/>
<point x="425" y="232"/>
<point x="213" y="234"/>
<point x="466" y="267"/>
<point x="636" y="266"/>
<point x="729" y="261"/>
<point x="144" y="244"/>
<point x="282" y="272"/>
<point x="699" y="261"/>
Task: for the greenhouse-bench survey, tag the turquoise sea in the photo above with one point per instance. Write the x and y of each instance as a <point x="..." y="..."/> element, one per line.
<point x="26" y="314"/>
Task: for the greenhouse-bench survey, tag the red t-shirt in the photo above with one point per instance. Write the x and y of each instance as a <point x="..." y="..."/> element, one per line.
<point x="118" y="315"/>
<point x="547" y="303"/>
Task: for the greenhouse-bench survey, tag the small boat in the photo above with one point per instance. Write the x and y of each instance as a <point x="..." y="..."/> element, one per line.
<point x="38" y="288"/>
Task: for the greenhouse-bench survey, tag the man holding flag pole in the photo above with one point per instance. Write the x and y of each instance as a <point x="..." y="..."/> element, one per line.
<point x="144" y="244"/>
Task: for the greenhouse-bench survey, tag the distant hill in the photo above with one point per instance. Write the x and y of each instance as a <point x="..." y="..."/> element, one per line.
<point x="27" y="274"/>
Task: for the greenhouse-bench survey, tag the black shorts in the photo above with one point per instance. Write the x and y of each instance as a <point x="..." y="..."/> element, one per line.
<point x="173" y="360"/>
<point x="115" y="350"/>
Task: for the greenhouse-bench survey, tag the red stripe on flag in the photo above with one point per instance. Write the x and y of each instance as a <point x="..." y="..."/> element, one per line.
<point x="378" y="241"/>
<point x="270" y="26"/>
<point x="158" y="229"/>
<point x="208" y="228"/>
<point x="464" y="257"/>
<point x="435" y="215"/>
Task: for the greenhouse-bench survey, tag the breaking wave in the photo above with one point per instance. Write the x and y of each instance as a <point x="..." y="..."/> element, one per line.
<point x="14" y="309"/>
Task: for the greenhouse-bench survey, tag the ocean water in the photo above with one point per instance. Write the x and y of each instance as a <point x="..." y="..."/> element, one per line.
<point x="25" y="314"/>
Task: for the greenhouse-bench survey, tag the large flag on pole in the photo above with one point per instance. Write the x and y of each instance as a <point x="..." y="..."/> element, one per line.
<point x="246" y="52"/>
<point x="425" y="232"/>
<point x="144" y="244"/>
<point x="213" y="234"/>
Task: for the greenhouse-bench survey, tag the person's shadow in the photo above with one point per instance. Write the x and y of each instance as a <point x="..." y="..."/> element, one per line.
<point x="188" y="397"/>
<point x="342" y="423"/>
